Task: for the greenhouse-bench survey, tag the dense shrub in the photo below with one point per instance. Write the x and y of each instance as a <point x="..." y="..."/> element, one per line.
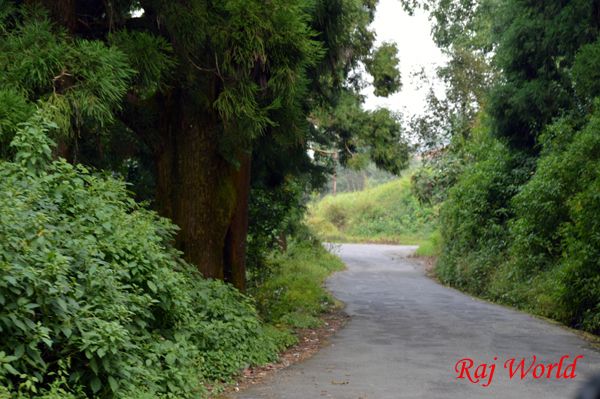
<point x="474" y="218"/>
<point x="275" y="213"/>
<point x="430" y="183"/>
<point x="294" y="295"/>
<point x="556" y="229"/>
<point x="94" y="299"/>
<point x="530" y="238"/>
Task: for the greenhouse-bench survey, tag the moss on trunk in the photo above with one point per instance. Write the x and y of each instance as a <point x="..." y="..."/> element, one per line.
<point x="201" y="192"/>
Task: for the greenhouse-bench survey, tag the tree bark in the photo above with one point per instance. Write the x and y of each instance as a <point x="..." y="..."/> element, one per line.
<point x="335" y="161"/>
<point x="62" y="11"/>
<point x="235" y="241"/>
<point x="194" y="183"/>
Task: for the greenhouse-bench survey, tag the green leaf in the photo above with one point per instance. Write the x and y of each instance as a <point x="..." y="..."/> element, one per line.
<point x="95" y="384"/>
<point x="114" y="385"/>
<point x="67" y="331"/>
<point x="19" y="351"/>
<point x="94" y="366"/>
<point x="152" y="286"/>
<point x="10" y="369"/>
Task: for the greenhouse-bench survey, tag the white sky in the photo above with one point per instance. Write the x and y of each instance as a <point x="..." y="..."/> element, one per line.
<point x="416" y="50"/>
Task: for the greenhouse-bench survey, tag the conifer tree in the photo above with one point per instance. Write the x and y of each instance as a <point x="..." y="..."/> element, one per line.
<point x="183" y="92"/>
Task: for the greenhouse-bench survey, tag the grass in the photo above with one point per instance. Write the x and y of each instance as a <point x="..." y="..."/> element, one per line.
<point x="293" y="295"/>
<point x="388" y="213"/>
<point x="430" y="247"/>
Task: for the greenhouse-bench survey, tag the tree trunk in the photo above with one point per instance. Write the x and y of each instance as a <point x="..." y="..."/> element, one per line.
<point x="235" y="241"/>
<point x="62" y="11"/>
<point x="196" y="187"/>
<point x="194" y="183"/>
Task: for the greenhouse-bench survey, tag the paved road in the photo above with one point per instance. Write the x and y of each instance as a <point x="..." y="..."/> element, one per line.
<point x="407" y="332"/>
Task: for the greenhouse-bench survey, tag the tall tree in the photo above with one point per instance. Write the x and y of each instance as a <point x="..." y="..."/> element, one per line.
<point x="463" y="30"/>
<point x="188" y="88"/>
<point x="537" y="44"/>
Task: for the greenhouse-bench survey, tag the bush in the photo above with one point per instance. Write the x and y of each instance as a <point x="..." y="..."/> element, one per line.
<point x="432" y="246"/>
<point x="336" y="214"/>
<point x="530" y="239"/>
<point x="474" y="218"/>
<point x="275" y="213"/>
<point x="94" y="299"/>
<point x="556" y="230"/>
<point x="294" y="294"/>
<point x="430" y="183"/>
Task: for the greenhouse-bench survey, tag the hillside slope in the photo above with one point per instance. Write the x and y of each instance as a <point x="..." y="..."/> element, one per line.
<point x="388" y="213"/>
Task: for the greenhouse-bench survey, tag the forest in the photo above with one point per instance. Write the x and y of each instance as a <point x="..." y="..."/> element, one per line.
<point x="158" y="158"/>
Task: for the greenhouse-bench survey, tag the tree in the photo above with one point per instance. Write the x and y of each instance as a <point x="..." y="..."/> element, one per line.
<point x="383" y="67"/>
<point x="537" y="44"/>
<point x="187" y="90"/>
<point x="356" y="137"/>
<point x="463" y="30"/>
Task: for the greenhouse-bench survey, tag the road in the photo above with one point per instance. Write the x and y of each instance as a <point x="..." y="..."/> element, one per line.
<point x="407" y="333"/>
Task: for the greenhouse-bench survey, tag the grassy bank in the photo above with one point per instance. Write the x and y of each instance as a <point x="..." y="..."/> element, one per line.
<point x="388" y="213"/>
<point x="293" y="293"/>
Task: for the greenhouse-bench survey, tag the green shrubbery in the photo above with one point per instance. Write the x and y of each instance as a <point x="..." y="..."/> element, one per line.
<point x="293" y="294"/>
<point x="518" y="174"/>
<point x="473" y="220"/>
<point x="386" y="213"/>
<point x="275" y="213"/>
<point x="556" y="231"/>
<point x="526" y="237"/>
<point x="94" y="299"/>
<point x="431" y="246"/>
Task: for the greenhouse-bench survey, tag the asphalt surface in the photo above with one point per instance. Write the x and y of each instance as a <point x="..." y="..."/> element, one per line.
<point x="407" y="333"/>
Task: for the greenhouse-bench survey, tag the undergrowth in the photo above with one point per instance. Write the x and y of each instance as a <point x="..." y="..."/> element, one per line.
<point x="293" y="295"/>
<point x="431" y="246"/>
<point x="524" y="231"/>
<point x="95" y="301"/>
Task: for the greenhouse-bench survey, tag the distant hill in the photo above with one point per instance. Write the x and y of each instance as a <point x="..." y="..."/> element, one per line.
<point x="387" y="213"/>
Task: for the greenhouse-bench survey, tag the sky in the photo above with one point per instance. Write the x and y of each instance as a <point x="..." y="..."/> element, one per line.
<point x="416" y="50"/>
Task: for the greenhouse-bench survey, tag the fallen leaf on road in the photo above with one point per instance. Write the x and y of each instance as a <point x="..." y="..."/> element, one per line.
<point x="340" y="382"/>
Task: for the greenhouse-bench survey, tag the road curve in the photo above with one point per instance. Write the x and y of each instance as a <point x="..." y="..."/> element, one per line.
<point x="407" y="332"/>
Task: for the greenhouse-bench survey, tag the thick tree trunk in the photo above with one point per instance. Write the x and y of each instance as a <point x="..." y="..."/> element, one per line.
<point x="201" y="192"/>
<point x="194" y="184"/>
<point x="63" y="11"/>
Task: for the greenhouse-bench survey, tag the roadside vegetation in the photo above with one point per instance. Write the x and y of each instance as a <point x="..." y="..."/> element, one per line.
<point x="522" y="230"/>
<point x="516" y="155"/>
<point x="293" y="293"/>
<point x="96" y="299"/>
